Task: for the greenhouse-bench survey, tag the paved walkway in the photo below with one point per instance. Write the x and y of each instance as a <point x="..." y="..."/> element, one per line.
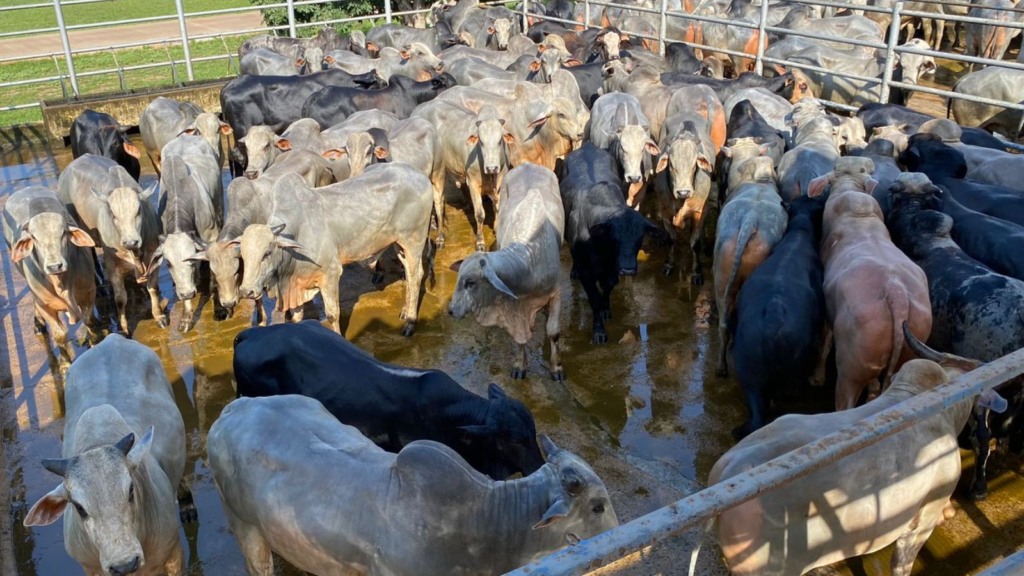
<point x="156" y="32"/>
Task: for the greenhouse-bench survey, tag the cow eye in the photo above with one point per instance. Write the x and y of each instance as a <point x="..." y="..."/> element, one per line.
<point x="598" y="508"/>
<point x="80" y="510"/>
<point x="468" y="283"/>
<point x="131" y="493"/>
<point x="267" y="254"/>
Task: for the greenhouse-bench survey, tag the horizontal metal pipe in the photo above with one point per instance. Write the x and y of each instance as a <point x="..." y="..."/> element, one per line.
<point x="958" y="96"/>
<point x="803" y="66"/>
<point x="18" y="107"/>
<point x="627" y="7"/>
<point x="967" y="19"/>
<point x="30" y="32"/>
<point x="697" y="508"/>
<point x="805" y="34"/>
<point x="712" y="19"/>
<point x="847" y="5"/>
<point x="48" y="5"/>
<point x="1008" y="64"/>
<point x="1010" y="566"/>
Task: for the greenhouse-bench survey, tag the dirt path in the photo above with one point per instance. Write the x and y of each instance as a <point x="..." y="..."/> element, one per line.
<point x="42" y="46"/>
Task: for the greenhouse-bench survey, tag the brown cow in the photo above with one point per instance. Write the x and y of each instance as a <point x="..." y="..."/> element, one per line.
<point x="871" y="287"/>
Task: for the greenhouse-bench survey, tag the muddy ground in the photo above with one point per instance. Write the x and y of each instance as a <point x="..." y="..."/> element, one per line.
<point x="645" y="410"/>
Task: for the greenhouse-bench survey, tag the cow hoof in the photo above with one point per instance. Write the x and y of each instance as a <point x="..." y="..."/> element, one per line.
<point x="558" y="375"/>
<point x="979" y="494"/>
<point x="187" y="511"/>
<point x="408" y="329"/>
<point x="39" y="326"/>
<point x="481" y="247"/>
<point x="518" y="373"/>
<point x="599" y="337"/>
<point x="184" y="326"/>
<point x="606" y="314"/>
<point x="697" y="279"/>
<point x="666" y="270"/>
<point x="439" y="243"/>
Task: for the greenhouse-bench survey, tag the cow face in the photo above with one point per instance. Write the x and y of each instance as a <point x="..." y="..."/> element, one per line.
<point x="580" y="506"/>
<point x="210" y="128"/>
<point x="896" y="134"/>
<point x="423" y="58"/>
<point x="510" y="433"/>
<point x="257" y="247"/>
<point x="262" y="146"/>
<point x="685" y="158"/>
<point x="621" y="238"/>
<point x="609" y="44"/>
<point x="47" y="235"/>
<point x="477" y="287"/>
<point x="490" y="142"/>
<point x="314" y="59"/>
<point x="499" y="33"/>
<point x="633" y="142"/>
<point x="850" y="134"/>
<point x="915" y="65"/>
<point x="362" y="150"/>
<point x="182" y="251"/>
<point x="224" y="264"/>
<point x="102" y="499"/>
<point x="126" y="212"/>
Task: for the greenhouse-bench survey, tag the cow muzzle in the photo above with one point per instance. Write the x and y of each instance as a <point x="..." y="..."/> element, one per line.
<point x="187" y="296"/>
<point x="682" y="194"/>
<point x="57" y="267"/>
<point x="439" y="67"/>
<point x="633" y="178"/>
<point x="628" y="271"/>
<point x="125" y="568"/>
<point x="491" y="170"/>
<point x="131" y="244"/>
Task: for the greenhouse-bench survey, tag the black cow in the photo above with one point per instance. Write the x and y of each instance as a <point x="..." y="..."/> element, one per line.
<point x="780" y="314"/>
<point x="947" y="167"/>
<point x="101" y="134"/>
<point x="992" y="241"/>
<point x="875" y="115"/>
<point x="682" y="60"/>
<point x="603" y="233"/>
<point x="392" y="405"/>
<point x="746" y="122"/>
<point x="883" y="155"/>
<point x="333" y="104"/>
<point x="590" y="78"/>
<point x="564" y="9"/>
<point x="975" y="311"/>
<point x="276" y="101"/>
<point x="782" y="85"/>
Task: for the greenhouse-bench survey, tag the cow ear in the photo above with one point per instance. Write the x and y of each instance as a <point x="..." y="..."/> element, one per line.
<point x="704" y="163"/>
<point x="816" y="187"/>
<point x="472" y="140"/>
<point x="726" y="151"/>
<point x="371" y="47"/>
<point x="276" y="229"/>
<point x="200" y="256"/>
<point x="491" y="30"/>
<point x="335" y="153"/>
<point x="80" y="237"/>
<point x="225" y="128"/>
<point x="652" y="148"/>
<point x="662" y="163"/>
<point x="145" y="194"/>
<point x="869" y="185"/>
<point x="235" y="242"/>
<point x="190" y="131"/>
<point x="140" y="449"/>
<point x="548" y="446"/>
<point x="300" y="62"/>
<point x="48" y="509"/>
<point x="572" y="62"/>
<point x="405" y="55"/>
<point x="22" y="248"/>
<point x="381" y="153"/>
<point x="330" y="59"/>
<point x="495" y="392"/>
<point x="283" y="242"/>
<point x="131" y="149"/>
<point x="538" y="122"/>
<point x="557" y="511"/>
<point x="535" y="66"/>
<point x="283" y="144"/>
<point x="456" y="265"/>
<point x="509" y="138"/>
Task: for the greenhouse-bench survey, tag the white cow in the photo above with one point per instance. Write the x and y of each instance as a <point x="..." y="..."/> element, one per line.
<point x="422" y="511"/>
<point x="123" y="457"/>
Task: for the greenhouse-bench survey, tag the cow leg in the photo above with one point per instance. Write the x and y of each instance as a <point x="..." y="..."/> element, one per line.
<point x="554" y="309"/>
<point x="826" y="348"/>
<point x="58" y="331"/>
<point x="186" y="316"/>
<point x="723" y="337"/>
<point x="476" y="196"/>
<point x="519" y="365"/>
<point x="261" y="314"/>
<point x="331" y="294"/>
<point x="255" y="549"/>
<point x="670" y="259"/>
<point x="910" y="542"/>
<point x="120" y="297"/>
<point x="39" y="324"/>
<point x="176" y="565"/>
<point x="940" y="32"/>
<point x="696" y="269"/>
<point x="437" y="180"/>
<point x="413" y="282"/>
<point x="594" y="297"/>
<point x="982" y="438"/>
<point x="153" y="287"/>
<point x="186" y="503"/>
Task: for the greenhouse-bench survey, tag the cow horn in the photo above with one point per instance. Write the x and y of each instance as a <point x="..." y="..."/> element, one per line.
<point x="549" y="447"/>
<point x="944" y="359"/>
<point x="124" y="445"/>
<point x="58" y="466"/>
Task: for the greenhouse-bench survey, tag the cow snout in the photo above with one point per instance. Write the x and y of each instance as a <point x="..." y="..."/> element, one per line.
<point x="683" y="194"/>
<point x="56" y="267"/>
<point x="126" y="568"/>
<point x="228" y="305"/>
<point x="251" y="174"/>
<point x="439" y="67"/>
<point x="491" y="169"/>
<point x="187" y="296"/>
<point x="632" y="178"/>
<point x="130" y="244"/>
<point x="627" y="271"/>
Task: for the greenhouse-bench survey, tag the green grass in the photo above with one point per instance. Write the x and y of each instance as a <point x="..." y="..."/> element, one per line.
<point x="104" y="83"/>
<point x="112" y="10"/>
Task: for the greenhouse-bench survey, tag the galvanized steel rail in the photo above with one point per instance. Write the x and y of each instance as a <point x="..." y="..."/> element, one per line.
<point x="695" y="510"/>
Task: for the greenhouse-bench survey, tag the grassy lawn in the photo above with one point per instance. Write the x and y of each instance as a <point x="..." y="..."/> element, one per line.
<point x="134" y="79"/>
<point x="111" y="10"/>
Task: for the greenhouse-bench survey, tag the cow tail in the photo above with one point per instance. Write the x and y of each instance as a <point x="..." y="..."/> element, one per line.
<point x="899" y="306"/>
<point x="747" y="229"/>
<point x="696" y="549"/>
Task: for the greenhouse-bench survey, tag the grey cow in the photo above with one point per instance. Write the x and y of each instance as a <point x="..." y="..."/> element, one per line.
<point x="267" y="62"/>
<point x="422" y="511"/>
<point x="250" y="202"/>
<point x="414" y="60"/>
<point x="191" y="210"/>
<point x="164" y="119"/>
<point x="313" y="232"/>
<point x="49" y="250"/>
<point x="814" y="152"/>
<point x="507" y="288"/>
<point x="123" y="458"/>
<point x="115" y="211"/>
<point x="262" y="146"/>
<point x="618" y="125"/>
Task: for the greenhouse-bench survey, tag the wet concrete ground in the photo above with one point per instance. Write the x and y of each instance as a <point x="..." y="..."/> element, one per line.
<point x="645" y="410"/>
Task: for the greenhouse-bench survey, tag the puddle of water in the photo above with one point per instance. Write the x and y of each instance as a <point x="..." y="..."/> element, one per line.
<point x="646" y="409"/>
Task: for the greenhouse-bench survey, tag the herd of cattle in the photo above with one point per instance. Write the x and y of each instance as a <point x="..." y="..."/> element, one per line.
<point x="841" y="245"/>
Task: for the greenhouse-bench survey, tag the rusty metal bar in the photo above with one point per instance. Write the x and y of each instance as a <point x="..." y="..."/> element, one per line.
<point x="1010" y="566"/>
<point x="697" y="508"/>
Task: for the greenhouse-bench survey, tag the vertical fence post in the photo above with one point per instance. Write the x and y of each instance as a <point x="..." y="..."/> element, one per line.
<point x="184" y="39"/>
<point x="387" y="11"/>
<point x="291" y="18"/>
<point x="526" y="15"/>
<point x="67" y="46"/>
<point x="762" y="37"/>
<point x="890" y="50"/>
<point x="586" y="14"/>
<point x="661" y="27"/>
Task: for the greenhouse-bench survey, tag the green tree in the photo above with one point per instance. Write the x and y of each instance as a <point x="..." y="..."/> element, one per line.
<point x="319" y="13"/>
